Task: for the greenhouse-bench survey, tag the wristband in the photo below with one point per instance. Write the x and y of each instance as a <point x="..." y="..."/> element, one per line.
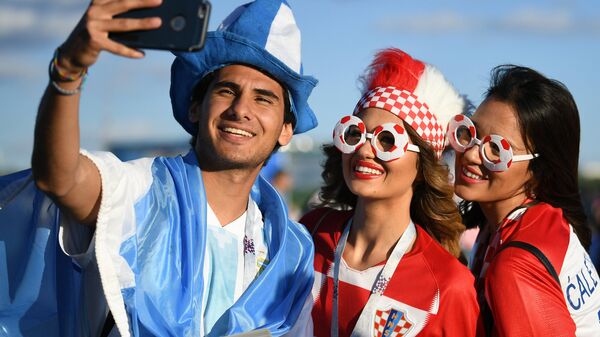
<point x="59" y="75"/>
<point x="67" y="92"/>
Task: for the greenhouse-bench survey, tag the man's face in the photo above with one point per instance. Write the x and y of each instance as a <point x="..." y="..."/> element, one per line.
<point x="240" y="120"/>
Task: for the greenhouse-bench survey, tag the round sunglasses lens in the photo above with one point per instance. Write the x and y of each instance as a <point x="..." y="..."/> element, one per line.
<point x="352" y="135"/>
<point x="385" y="141"/>
<point x="491" y="150"/>
<point x="463" y="135"/>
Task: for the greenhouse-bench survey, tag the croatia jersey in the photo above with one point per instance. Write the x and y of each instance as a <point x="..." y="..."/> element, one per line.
<point x="524" y="299"/>
<point x="429" y="294"/>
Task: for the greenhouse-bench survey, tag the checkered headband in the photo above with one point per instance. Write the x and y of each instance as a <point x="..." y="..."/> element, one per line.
<point x="410" y="109"/>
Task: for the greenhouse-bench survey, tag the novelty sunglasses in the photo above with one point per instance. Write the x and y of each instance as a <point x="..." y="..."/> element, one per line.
<point x="389" y="141"/>
<point x="495" y="151"/>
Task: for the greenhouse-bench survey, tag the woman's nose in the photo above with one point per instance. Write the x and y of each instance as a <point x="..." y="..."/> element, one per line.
<point x="366" y="150"/>
<point x="473" y="155"/>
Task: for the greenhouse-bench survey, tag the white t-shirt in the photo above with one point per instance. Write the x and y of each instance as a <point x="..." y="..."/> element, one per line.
<point x="224" y="264"/>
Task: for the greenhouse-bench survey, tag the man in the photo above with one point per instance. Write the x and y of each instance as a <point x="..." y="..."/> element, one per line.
<point x="187" y="246"/>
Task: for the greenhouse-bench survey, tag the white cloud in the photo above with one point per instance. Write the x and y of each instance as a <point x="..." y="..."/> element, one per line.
<point x="52" y="2"/>
<point x="29" y="24"/>
<point x="527" y="20"/>
<point x="13" y="66"/>
<point x="60" y="26"/>
<point x="539" y="21"/>
<point x="430" y="23"/>
<point x="16" y="20"/>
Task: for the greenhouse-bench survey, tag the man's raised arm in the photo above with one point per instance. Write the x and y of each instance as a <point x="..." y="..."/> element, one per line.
<point x="69" y="178"/>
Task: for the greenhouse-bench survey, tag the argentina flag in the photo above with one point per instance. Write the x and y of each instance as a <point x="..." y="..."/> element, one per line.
<point x="150" y="271"/>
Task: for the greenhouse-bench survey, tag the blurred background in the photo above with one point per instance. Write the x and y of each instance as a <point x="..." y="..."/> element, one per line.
<point x="126" y="107"/>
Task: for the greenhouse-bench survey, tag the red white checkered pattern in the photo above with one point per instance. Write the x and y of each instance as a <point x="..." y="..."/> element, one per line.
<point x="381" y="318"/>
<point x="407" y="106"/>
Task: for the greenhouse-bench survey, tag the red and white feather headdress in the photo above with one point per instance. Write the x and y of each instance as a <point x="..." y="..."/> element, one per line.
<point x="415" y="91"/>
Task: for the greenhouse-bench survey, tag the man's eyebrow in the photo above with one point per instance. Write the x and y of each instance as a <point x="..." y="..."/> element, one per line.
<point x="267" y="93"/>
<point x="236" y="87"/>
<point x="227" y="84"/>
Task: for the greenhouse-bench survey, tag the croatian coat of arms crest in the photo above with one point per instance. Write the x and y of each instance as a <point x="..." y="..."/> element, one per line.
<point x="391" y="323"/>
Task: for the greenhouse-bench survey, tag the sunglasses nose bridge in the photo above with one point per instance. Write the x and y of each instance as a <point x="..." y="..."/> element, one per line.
<point x="370" y="139"/>
<point x="472" y="154"/>
<point x="477" y="142"/>
<point x="474" y="142"/>
<point x="367" y="148"/>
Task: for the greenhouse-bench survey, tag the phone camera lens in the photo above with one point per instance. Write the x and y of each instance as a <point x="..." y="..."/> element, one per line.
<point x="178" y="23"/>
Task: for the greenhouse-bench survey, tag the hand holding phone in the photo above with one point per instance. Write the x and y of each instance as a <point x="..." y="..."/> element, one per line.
<point x="91" y="34"/>
<point x="184" y="26"/>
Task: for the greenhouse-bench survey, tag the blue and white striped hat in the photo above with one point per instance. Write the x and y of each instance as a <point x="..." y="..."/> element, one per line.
<point x="262" y="34"/>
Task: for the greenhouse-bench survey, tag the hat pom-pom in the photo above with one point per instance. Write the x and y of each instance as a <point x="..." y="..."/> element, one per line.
<point x="441" y="97"/>
<point x="393" y="67"/>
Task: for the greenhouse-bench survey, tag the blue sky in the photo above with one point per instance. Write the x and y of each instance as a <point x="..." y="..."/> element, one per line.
<point x="127" y="100"/>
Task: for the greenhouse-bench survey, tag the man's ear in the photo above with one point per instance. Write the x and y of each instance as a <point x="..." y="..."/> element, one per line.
<point x="194" y="112"/>
<point x="286" y="134"/>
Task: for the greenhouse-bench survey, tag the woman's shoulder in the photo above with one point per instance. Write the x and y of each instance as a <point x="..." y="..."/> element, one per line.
<point x="542" y="214"/>
<point x="324" y="218"/>
<point x="544" y="227"/>
<point x="447" y="269"/>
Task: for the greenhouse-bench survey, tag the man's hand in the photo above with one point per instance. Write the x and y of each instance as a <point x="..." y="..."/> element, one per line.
<point x="90" y="36"/>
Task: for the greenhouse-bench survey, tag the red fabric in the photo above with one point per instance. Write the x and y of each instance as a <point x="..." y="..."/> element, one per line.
<point x="522" y="295"/>
<point x="423" y="271"/>
<point x="393" y="67"/>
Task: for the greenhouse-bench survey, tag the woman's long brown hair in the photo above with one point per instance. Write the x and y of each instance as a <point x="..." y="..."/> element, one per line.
<point x="431" y="207"/>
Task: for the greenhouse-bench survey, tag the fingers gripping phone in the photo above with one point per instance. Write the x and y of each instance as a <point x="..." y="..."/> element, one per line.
<point x="184" y="26"/>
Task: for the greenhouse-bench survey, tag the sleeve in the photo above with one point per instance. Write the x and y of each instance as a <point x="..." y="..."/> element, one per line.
<point x="77" y="240"/>
<point x="459" y="310"/>
<point x="123" y="185"/>
<point x="524" y="298"/>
